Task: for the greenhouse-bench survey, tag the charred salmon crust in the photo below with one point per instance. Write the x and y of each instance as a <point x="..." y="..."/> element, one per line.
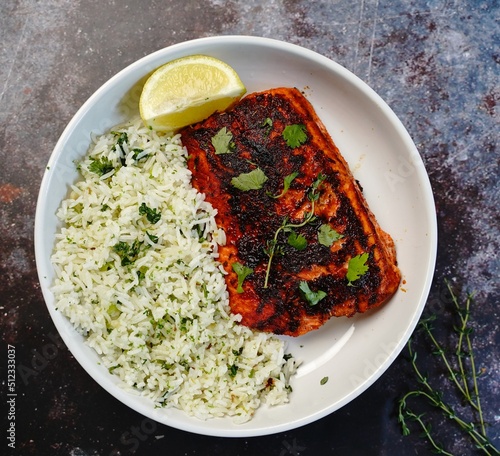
<point x="272" y="297"/>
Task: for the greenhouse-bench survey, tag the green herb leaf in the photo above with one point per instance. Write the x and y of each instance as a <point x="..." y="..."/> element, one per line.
<point x="297" y="241"/>
<point x="102" y="166"/>
<point x="323" y="380"/>
<point x="121" y="248"/>
<point x="357" y="267"/>
<point x="233" y="369"/>
<point x="286" y="185"/>
<point x="254" y="180"/>
<point x="118" y="147"/>
<point x="122" y="138"/>
<point x="141" y="273"/>
<point x="267" y="124"/>
<point x="312" y="297"/>
<point x="223" y="142"/>
<point x="242" y="272"/>
<point x="327" y="235"/>
<point x="153" y="215"/>
<point x="128" y="253"/>
<point x="295" y="135"/>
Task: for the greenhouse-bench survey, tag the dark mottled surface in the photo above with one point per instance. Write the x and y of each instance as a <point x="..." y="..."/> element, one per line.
<point x="437" y="65"/>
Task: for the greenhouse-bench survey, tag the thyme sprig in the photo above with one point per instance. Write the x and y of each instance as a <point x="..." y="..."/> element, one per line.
<point x="273" y="247"/>
<point x="465" y="380"/>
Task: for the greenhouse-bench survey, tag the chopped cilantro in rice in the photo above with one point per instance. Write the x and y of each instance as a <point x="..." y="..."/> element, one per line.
<point x="137" y="274"/>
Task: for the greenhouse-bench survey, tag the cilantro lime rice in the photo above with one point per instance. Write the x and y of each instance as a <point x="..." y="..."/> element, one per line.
<point x="137" y="274"/>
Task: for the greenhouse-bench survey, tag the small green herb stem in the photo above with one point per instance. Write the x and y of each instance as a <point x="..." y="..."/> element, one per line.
<point x="460" y="345"/>
<point x="476" y="389"/>
<point x="405" y="413"/>
<point x="462" y="387"/>
<point x="434" y="398"/>
<point x="313" y="196"/>
<point x="274" y="242"/>
<point x="450" y="413"/>
<point x="441" y="353"/>
<point x="272" y="249"/>
<point x="464" y="318"/>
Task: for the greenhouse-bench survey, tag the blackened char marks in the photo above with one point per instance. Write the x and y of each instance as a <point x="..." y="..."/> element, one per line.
<point x="251" y="218"/>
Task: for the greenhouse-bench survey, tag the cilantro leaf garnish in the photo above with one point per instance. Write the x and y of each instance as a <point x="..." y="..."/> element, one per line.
<point x="327" y="235"/>
<point x="141" y="273"/>
<point x="118" y="146"/>
<point x="297" y="241"/>
<point x="238" y="352"/>
<point x="254" y="180"/>
<point x="286" y="185"/>
<point x="295" y="135"/>
<point x="242" y="272"/>
<point x="102" y="166"/>
<point x="128" y="253"/>
<point x="233" y="369"/>
<point x="122" y="138"/>
<point x="356" y="268"/>
<point x="312" y="297"/>
<point x="223" y="142"/>
<point x="153" y="215"/>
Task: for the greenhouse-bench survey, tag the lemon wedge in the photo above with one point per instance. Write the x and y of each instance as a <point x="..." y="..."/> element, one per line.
<point x="188" y="90"/>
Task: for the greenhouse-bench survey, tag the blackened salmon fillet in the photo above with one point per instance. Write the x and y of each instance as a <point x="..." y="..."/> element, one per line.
<point x="301" y="243"/>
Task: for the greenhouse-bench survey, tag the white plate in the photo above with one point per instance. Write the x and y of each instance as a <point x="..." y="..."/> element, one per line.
<point x="352" y="353"/>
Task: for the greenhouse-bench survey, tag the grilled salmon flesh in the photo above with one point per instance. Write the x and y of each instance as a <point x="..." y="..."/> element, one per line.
<point x="302" y="244"/>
